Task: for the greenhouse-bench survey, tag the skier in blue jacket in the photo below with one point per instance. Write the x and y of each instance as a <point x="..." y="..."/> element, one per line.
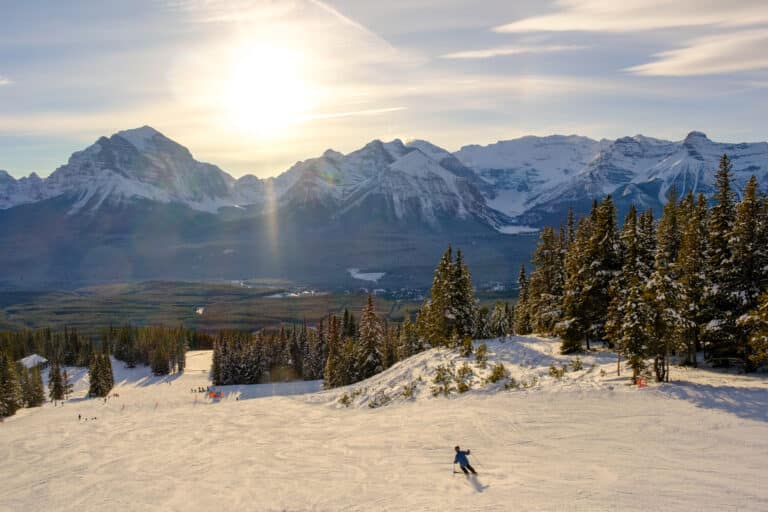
<point x="463" y="462"/>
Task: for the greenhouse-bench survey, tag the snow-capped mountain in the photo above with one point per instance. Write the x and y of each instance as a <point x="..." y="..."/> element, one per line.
<point x="531" y="179"/>
<point x="137" y="206"/>
<point x="403" y="181"/>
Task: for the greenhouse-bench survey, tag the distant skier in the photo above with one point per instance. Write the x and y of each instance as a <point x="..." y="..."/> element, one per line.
<point x="463" y="462"/>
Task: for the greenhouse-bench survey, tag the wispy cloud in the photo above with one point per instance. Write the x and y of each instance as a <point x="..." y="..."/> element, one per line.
<point x="634" y="15"/>
<point x="510" y="50"/>
<point x="367" y="112"/>
<point x="726" y="53"/>
<point x="4" y="81"/>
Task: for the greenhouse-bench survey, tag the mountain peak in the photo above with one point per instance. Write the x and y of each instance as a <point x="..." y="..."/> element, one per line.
<point x="696" y="136"/>
<point x="139" y="137"/>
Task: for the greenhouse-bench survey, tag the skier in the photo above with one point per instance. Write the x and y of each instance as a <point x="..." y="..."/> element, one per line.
<point x="463" y="462"/>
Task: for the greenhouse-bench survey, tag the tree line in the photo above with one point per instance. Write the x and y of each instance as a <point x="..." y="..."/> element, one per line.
<point x="689" y="282"/>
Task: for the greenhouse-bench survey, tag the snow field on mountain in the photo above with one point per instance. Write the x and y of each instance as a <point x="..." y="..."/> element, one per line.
<point x="586" y="441"/>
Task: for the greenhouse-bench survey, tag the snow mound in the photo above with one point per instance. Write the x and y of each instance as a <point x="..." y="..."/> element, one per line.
<point x="33" y="360"/>
<point x="527" y="359"/>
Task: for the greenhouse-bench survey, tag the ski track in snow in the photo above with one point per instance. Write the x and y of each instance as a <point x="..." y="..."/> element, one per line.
<point x="586" y="442"/>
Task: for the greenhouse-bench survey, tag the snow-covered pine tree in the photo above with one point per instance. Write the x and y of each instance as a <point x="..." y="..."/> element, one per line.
<point x="483" y="324"/>
<point x="633" y="335"/>
<point x="502" y="320"/>
<point x="333" y="364"/>
<point x="603" y="264"/>
<point x="34" y="393"/>
<point x="432" y="323"/>
<point x="369" y="357"/>
<point x="756" y="322"/>
<point x="747" y="245"/>
<point x="619" y="287"/>
<point x="462" y="303"/>
<point x="522" y="308"/>
<point x="11" y="393"/>
<point x="662" y="289"/>
<point x="55" y="383"/>
<point x="408" y="341"/>
<point x="720" y="334"/>
<point x="693" y="224"/>
<point x="573" y="327"/>
<point x="545" y="289"/>
<point x="67" y="385"/>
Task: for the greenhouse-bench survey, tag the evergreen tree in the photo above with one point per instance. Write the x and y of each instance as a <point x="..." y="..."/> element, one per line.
<point x="634" y="335"/>
<point x="332" y="376"/>
<point x="369" y="357"/>
<point x="573" y="328"/>
<point x="603" y="264"/>
<point x="462" y="305"/>
<point x="433" y="326"/>
<point x="756" y="322"/>
<point x="630" y="269"/>
<point x="522" y="308"/>
<point x="483" y="324"/>
<point x="747" y="245"/>
<point x="693" y="219"/>
<point x="34" y="393"/>
<point x="720" y="334"/>
<point x="55" y="382"/>
<point x="408" y="341"/>
<point x="502" y="320"/>
<point x="662" y="290"/>
<point x="11" y="393"/>
<point x="545" y="289"/>
<point x="67" y="384"/>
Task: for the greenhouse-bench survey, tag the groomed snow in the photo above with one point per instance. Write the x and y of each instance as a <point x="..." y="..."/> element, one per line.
<point x="585" y="442"/>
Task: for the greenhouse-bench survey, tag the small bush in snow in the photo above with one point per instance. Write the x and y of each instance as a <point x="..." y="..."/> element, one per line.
<point x="409" y="389"/>
<point x="481" y="355"/>
<point x="511" y="384"/>
<point x="442" y="381"/>
<point x="345" y="400"/>
<point x="576" y="364"/>
<point x="380" y="399"/>
<point x="463" y="377"/>
<point x="498" y="372"/>
<point x="466" y="347"/>
<point x="556" y="372"/>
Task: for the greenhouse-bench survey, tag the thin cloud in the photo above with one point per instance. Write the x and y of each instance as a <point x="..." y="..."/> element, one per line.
<point x="637" y="15"/>
<point x="510" y="50"/>
<point x="4" y="81"/>
<point x="367" y="112"/>
<point x="726" y="53"/>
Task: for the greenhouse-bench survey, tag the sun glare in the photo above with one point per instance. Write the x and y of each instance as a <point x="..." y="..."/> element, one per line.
<point x="267" y="90"/>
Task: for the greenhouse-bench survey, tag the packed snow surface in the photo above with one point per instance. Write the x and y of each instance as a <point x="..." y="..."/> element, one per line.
<point x="587" y="441"/>
<point x="365" y="276"/>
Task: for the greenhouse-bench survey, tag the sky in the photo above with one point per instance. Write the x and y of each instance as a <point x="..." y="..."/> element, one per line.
<point x="256" y="85"/>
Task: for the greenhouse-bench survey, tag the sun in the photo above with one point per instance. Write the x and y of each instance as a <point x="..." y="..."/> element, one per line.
<point x="267" y="90"/>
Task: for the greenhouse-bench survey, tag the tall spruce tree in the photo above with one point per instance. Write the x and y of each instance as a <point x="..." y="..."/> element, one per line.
<point x="662" y="289"/>
<point x="720" y="334"/>
<point x="370" y="359"/>
<point x="34" y="393"/>
<point x="11" y="392"/>
<point x="55" y="382"/>
<point x="693" y="219"/>
<point x="604" y="263"/>
<point x="545" y="290"/>
<point x="523" y="307"/>
<point x="747" y="245"/>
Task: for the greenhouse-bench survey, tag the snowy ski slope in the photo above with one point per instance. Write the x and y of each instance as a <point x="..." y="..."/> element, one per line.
<point x="585" y="442"/>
